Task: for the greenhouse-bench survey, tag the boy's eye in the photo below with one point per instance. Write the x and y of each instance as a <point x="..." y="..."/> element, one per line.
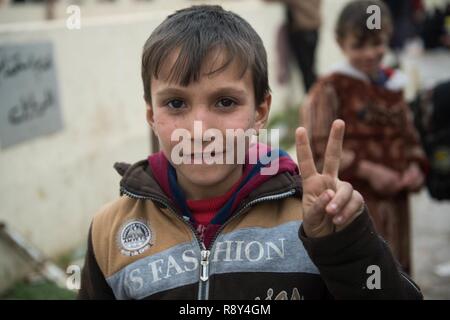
<point x="176" y="103"/>
<point x="226" y="103"/>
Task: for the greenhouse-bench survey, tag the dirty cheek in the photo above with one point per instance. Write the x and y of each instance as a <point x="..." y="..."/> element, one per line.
<point x="164" y="128"/>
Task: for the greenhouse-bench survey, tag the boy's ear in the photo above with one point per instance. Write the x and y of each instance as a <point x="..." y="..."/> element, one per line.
<point x="149" y="115"/>
<point x="339" y="42"/>
<point x="262" y="112"/>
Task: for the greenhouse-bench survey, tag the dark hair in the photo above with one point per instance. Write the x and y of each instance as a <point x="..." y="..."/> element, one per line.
<point x="195" y="32"/>
<point x="353" y="21"/>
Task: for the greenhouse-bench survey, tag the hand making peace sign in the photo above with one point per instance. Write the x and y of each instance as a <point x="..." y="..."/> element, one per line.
<point x="328" y="203"/>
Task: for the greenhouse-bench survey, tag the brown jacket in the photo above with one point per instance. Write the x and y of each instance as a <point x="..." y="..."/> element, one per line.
<point x="141" y="248"/>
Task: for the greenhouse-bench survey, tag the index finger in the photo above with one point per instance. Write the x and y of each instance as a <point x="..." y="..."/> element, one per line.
<point x="304" y="153"/>
<point x="333" y="152"/>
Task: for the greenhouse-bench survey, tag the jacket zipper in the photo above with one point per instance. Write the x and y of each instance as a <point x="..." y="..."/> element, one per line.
<point x="203" y="291"/>
<point x="204" y="285"/>
<point x="204" y="253"/>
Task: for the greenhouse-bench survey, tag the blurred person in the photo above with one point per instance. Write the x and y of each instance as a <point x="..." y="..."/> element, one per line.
<point x="432" y="116"/>
<point x="382" y="155"/>
<point x="436" y="28"/>
<point x="303" y="21"/>
<point x="407" y="16"/>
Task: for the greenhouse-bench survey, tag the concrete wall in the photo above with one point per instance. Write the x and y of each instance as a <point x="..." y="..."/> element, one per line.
<point x="51" y="186"/>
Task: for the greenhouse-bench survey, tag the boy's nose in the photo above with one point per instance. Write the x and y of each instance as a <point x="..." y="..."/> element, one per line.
<point x="203" y="116"/>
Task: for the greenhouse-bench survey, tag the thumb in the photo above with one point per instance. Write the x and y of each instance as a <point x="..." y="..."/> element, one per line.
<point x="317" y="210"/>
<point x="314" y="217"/>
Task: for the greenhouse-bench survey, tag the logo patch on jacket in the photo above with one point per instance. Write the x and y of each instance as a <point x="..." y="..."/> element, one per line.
<point x="135" y="237"/>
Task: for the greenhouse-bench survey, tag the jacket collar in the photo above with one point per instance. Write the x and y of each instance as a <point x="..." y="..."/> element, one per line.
<point x="139" y="180"/>
<point x="395" y="80"/>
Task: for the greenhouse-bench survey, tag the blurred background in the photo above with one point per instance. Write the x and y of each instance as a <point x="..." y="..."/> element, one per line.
<point x="71" y="104"/>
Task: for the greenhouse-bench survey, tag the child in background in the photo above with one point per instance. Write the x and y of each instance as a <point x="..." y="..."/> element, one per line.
<point x="382" y="157"/>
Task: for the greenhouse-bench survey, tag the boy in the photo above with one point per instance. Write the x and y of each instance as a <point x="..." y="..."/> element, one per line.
<point x="226" y="231"/>
<point x="382" y="155"/>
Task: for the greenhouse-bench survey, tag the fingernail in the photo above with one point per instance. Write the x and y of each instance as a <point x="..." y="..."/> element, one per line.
<point x="332" y="207"/>
<point x="337" y="220"/>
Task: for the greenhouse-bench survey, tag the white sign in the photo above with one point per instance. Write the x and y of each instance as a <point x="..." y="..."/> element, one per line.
<point x="29" y="97"/>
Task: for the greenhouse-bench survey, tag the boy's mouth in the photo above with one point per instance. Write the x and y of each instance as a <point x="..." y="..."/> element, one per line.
<point x="204" y="155"/>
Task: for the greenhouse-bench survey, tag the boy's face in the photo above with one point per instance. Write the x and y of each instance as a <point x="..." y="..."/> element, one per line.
<point x="365" y="57"/>
<point x="222" y="100"/>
